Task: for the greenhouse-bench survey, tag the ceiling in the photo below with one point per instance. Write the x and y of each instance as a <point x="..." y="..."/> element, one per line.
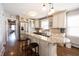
<point x="27" y="9"/>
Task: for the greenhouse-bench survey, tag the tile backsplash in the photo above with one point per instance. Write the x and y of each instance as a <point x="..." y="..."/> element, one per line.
<point x="58" y="30"/>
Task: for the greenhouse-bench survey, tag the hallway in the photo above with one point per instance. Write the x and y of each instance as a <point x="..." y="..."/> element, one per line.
<point x="12" y="46"/>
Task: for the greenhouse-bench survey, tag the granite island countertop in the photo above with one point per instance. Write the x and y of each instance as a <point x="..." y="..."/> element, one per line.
<point x="48" y="39"/>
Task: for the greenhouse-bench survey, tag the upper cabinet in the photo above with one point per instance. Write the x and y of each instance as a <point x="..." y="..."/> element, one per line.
<point x="59" y="20"/>
<point x="55" y="21"/>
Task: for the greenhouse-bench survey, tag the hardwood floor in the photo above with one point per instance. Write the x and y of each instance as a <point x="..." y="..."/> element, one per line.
<point x="63" y="51"/>
<point x="13" y="48"/>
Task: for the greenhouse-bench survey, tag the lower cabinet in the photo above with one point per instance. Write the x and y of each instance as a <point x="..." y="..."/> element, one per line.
<point x="45" y="48"/>
<point x="52" y="49"/>
<point x="43" y="51"/>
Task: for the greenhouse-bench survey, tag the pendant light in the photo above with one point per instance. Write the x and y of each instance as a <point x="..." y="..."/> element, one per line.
<point x="51" y="11"/>
<point x="44" y="7"/>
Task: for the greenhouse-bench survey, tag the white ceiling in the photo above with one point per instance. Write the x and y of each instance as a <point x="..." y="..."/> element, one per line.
<point x="23" y="9"/>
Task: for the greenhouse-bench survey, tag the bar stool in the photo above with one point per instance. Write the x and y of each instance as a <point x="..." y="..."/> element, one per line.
<point x="35" y="47"/>
<point x="26" y="43"/>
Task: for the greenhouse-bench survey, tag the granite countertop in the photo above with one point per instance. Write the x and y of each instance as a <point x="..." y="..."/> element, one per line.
<point x="48" y="39"/>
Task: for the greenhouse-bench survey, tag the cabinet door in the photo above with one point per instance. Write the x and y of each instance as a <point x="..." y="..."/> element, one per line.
<point x="43" y="48"/>
<point x="33" y="39"/>
<point x="52" y="49"/>
<point x="37" y="40"/>
<point x="55" y="21"/>
<point x="61" y="20"/>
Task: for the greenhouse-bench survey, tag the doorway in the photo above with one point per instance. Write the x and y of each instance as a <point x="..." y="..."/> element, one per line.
<point x="11" y="31"/>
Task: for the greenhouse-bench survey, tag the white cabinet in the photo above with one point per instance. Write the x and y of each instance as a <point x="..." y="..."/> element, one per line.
<point x="62" y="20"/>
<point x="59" y="20"/>
<point x="55" y="21"/>
<point x="52" y="49"/>
<point x="43" y="51"/>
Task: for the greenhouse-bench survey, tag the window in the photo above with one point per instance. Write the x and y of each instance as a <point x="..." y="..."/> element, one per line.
<point x="12" y="27"/>
<point x="73" y="25"/>
<point x="45" y="24"/>
<point x="32" y="26"/>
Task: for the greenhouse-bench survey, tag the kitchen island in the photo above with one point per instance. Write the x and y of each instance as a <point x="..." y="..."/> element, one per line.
<point x="47" y="47"/>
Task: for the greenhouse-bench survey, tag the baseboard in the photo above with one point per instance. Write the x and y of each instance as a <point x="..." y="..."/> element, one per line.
<point x="75" y="45"/>
<point x="2" y="51"/>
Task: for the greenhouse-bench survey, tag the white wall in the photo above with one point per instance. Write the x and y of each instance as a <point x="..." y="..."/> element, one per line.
<point x="2" y="29"/>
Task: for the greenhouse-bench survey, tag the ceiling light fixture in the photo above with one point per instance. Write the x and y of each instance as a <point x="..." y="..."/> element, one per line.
<point x="51" y="11"/>
<point x="44" y="7"/>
